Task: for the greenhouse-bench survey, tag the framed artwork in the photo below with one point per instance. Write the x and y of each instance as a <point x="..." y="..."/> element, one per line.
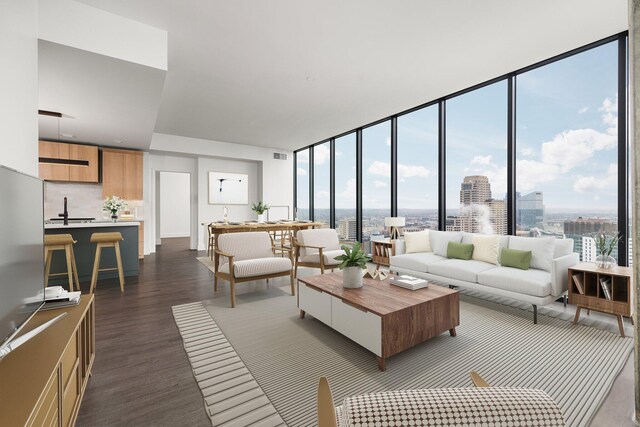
<point x="228" y="188"/>
<point x="276" y="213"/>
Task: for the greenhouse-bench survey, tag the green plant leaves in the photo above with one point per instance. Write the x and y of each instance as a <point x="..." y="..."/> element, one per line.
<point x="352" y="257"/>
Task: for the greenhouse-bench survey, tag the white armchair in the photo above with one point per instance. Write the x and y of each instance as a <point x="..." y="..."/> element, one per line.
<point x="243" y="257"/>
<point x="317" y="249"/>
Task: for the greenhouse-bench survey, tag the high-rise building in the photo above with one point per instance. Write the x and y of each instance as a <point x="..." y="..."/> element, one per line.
<point x="479" y="213"/>
<point x="347" y="229"/>
<point x="530" y="210"/>
<point x="498" y="216"/>
<point x="475" y="190"/>
<point x="583" y="226"/>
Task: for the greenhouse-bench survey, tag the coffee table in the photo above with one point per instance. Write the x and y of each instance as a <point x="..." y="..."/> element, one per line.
<point x="383" y="318"/>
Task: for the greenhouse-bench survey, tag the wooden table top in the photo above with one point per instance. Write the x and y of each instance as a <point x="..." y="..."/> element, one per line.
<point x="376" y="296"/>
<point x="614" y="271"/>
<point x="220" y="227"/>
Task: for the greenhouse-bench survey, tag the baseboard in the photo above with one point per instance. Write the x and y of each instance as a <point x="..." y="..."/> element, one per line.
<point x="170" y="235"/>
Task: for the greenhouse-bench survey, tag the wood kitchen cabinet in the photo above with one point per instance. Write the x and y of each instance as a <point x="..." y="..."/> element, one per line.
<point x="59" y="161"/>
<point x="122" y="174"/>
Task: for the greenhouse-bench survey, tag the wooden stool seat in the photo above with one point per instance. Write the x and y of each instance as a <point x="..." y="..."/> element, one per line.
<point x="107" y="240"/>
<point x="60" y="242"/>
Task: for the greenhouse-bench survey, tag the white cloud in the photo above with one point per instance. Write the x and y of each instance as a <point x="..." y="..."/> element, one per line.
<point x="379" y="184"/>
<point x="410" y="171"/>
<point x="609" y="111"/>
<point x="349" y="191"/>
<point x="530" y="173"/>
<point x="481" y="160"/>
<point x="321" y="154"/>
<point x="302" y="171"/>
<point x="588" y="184"/>
<point x="527" y="152"/>
<point x="302" y="156"/>
<point x="322" y="195"/>
<point x="573" y="147"/>
<point x="583" y="110"/>
<point x="380" y="168"/>
<point x="388" y="141"/>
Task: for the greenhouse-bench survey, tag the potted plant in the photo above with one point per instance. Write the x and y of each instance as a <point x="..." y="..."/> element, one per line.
<point x="113" y="204"/>
<point x="605" y="244"/>
<point x="352" y="262"/>
<point x="260" y="208"/>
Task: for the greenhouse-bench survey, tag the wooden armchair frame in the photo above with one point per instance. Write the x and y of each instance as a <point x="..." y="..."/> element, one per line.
<point x="230" y="277"/>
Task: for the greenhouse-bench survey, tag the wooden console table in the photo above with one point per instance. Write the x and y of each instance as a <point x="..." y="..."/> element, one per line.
<point x="586" y="291"/>
<point x="42" y="382"/>
<point x="382" y="251"/>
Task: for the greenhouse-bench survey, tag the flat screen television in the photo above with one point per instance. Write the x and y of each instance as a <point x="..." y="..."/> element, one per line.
<point x="21" y="250"/>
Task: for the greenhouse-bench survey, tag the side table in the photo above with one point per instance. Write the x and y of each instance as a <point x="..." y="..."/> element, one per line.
<point x="382" y="251"/>
<point x="605" y="290"/>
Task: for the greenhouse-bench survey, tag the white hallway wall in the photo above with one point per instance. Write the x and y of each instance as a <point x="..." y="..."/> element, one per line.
<point x="19" y="85"/>
<point x="175" y="204"/>
<point x="273" y="182"/>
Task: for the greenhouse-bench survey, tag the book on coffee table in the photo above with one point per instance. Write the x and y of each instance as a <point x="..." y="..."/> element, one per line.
<point x="408" y="282"/>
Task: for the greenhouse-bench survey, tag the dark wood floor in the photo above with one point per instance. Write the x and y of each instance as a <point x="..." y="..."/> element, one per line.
<point x="141" y="375"/>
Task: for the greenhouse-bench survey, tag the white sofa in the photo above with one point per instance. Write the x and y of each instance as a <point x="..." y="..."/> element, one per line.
<point x="544" y="282"/>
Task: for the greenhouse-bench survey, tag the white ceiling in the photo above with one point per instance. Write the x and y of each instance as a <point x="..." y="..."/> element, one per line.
<point x="287" y="73"/>
<point x="102" y="99"/>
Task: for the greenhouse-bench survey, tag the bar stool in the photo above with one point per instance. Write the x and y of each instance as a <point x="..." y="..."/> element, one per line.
<point x="107" y="240"/>
<point x="60" y="242"/>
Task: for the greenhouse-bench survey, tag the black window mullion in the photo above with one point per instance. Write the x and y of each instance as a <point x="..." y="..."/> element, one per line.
<point x="332" y="183"/>
<point x="312" y="214"/>
<point x="442" y="181"/>
<point x="295" y="185"/>
<point x="511" y="155"/>
<point x="359" y="185"/>
<point x="394" y="166"/>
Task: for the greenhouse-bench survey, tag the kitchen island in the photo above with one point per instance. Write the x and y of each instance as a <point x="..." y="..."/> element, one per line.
<point x="85" y="251"/>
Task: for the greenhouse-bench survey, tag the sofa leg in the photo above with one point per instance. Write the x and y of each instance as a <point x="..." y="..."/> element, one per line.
<point x="564" y="300"/>
<point x="535" y="314"/>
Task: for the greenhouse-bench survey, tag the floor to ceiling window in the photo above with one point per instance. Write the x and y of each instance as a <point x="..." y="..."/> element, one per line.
<point x="302" y="185"/>
<point x="321" y="182"/>
<point x="345" y="178"/>
<point x="476" y="160"/>
<point x="376" y="180"/>
<point x="418" y="168"/>
<point x="566" y="148"/>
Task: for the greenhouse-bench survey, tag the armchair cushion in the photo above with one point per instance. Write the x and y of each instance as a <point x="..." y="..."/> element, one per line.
<point x="327" y="255"/>
<point x="249" y="245"/>
<point x="257" y="267"/>
<point x="451" y="406"/>
<point x="327" y="238"/>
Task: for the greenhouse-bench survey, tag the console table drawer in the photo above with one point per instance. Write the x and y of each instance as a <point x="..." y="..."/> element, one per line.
<point x="315" y="302"/>
<point x="361" y="326"/>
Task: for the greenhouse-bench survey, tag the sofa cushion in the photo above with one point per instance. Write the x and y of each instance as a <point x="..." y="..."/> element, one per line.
<point x="460" y="269"/>
<point x="417" y="262"/>
<point x="257" y="267"/>
<point x="440" y="240"/>
<point x="515" y="258"/>
<point x="329" y="257"/>
<point x="417" y="242"/>
<point x="529" y="282"/>
<point x="460" y="250"/>
<point x="486" y="248"/>
<point x="562" y="247"/>
<point x="541" y="250"/>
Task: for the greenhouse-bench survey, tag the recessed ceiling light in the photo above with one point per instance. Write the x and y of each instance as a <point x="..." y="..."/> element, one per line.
<point x="117" y="141"/>
<point x="67" y="135"/>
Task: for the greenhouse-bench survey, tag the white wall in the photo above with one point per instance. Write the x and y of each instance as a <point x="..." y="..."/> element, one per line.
<point x="175" y="204"/>
<point x="160" y="162"/>
<point x="19" y="85"/>
<point x="274" y="178"/>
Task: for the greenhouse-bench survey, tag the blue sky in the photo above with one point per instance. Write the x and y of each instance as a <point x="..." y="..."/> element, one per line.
<point x="566" y="142"/>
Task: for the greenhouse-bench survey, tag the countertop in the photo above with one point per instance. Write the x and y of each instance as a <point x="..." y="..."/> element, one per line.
<point x="97" y="224"/>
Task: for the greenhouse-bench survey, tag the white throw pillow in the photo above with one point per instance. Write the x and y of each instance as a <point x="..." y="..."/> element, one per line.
<point x="417" y="242"/>
<point x="486" y="248"/>
<point x="440" y="240"/>
<point x="541" y="250"/>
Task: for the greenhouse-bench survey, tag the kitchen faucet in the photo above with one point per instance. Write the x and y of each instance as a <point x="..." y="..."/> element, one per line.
<point x="65" y="214"/>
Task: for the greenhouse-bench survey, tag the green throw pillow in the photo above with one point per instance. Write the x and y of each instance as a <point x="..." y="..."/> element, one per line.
<point x="459" y="250"/>
<point x="515" y="258"/>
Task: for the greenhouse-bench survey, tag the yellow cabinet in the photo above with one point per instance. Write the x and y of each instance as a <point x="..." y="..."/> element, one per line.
<point x="122" y="174"/>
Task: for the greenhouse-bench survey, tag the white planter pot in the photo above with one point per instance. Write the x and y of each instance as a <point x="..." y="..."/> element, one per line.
<point x="261" y="219"/>
<point x="352" y="277"/>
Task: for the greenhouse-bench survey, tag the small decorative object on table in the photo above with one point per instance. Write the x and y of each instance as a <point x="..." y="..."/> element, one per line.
<point x="113" y="204"/>
<point x="409" y="282"/>
<point x="260" y="208"/>
<point x="605" y="243"/>
<point x="352" y="262"/>
<point x="375" y="274"/>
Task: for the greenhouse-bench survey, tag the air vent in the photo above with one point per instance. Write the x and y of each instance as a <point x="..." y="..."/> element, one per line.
<point x="279" y="156"/>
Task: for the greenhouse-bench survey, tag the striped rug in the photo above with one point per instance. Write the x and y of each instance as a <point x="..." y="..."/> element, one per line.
<point x="575" y="365"/>
<point x="231" y="395"/>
